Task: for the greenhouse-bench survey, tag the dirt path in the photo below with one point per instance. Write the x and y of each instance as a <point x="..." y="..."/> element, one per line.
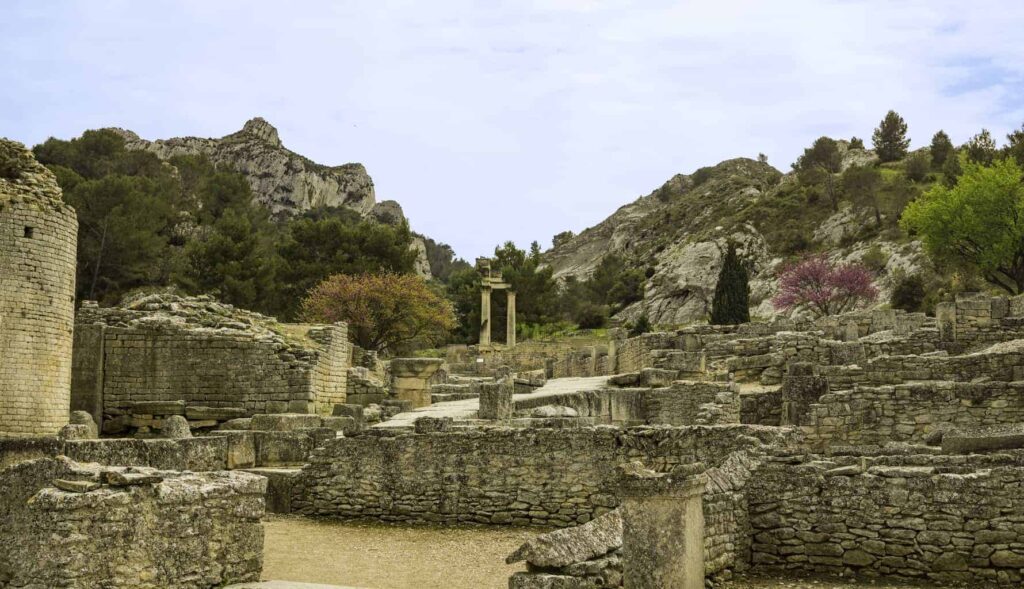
<point x="379" y="556"/>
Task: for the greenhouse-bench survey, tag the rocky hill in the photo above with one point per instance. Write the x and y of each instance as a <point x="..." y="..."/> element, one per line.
<point x="677" y="235"/>
<point x="282" y="180"/>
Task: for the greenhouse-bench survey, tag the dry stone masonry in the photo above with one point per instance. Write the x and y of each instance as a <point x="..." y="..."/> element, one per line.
<point x="210" y="362"/>
<point x="38" y="240"/>
<point x="83" y="526"/>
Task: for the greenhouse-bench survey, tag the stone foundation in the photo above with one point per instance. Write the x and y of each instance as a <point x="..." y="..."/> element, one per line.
<point x="84" y="526"/>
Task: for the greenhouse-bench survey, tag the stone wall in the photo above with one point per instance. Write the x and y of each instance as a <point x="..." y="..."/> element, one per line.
<point x="937" y="518"/>
<point x="550" y="477"/>
<point x="168" y="348"/>
<point x="118" y="528"/>
<point x="38" y="241"/>
<point x="196" y="454"/>
<point x="910" y="412"/>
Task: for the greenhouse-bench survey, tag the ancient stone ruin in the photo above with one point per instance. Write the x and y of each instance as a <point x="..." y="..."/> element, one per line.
<point x="144" y="450"/>
<point x="37" y="295"/>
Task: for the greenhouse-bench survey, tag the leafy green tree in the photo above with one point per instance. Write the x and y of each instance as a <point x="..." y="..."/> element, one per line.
<point x="941" y="149"/>
<point x="730" y="304"/>
<point x="641" y="326"/>
<point x="907" y="292"/>
<point x="122" y="243"/>
<point x="861" y="185"/>
<point x="890" y="138"/>
<point x="1015" y="145"/>
<point x="856" y="143"/>
<point x="325" y="242"/>
<point x="463" y="289"/>
<point x="977" y="222"/>
<point x="952" y="169"/>
<point x="614" y="284"/>
<point x="232" y="262"/>
<point x="981" y="149"/>
<point x="534" y="283"/>
<point x="821" y="160"/>
<point x="384" y="312"/>
<point x="917" y="167"/>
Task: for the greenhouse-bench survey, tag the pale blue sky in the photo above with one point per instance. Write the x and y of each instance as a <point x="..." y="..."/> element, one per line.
<point x="494" y="120"/>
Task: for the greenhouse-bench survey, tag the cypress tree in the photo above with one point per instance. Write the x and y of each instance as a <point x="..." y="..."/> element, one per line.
<point x="731" y="303"/>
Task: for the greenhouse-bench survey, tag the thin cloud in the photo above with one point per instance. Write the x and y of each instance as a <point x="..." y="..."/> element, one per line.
<point x="514" y="120"/>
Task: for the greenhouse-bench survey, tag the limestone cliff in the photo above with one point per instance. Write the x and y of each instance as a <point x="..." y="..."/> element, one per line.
<point x="284" y="181"/>
<point x="677" y="234"/>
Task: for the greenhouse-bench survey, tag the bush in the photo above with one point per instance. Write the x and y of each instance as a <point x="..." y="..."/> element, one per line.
<point x="875" y="259"/>
<point x="701" y="176"/>
<point x="918" y="166"/>
<point x="592" y="316"/>
<point x="908" y="293"/>
<point x="641" y="326"/>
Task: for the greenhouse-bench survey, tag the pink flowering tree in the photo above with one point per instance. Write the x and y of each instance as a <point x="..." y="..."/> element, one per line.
<point x="825" y="288"/>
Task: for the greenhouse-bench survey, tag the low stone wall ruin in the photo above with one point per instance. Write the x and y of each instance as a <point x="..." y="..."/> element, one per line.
<point x="910" y="412"/>
<point x="83" y="526"/>
<point x="167" y="348"/>
<point x="938" y="518"/>
<point x="546" y="477"/>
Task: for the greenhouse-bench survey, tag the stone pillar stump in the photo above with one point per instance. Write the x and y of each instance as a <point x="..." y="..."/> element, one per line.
<point x="662" y="527"/>
<point x="410" y="378"/>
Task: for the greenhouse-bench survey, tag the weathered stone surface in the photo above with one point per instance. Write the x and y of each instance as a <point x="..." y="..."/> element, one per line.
<point x="37" y="296"/>
<point x="174" y="530"/>
<point x="571" y="545"/>
<point x="176" y="427"/>
<point x="496" y="401"/>
<point x="426" y="425"/>
<point x="73" y="431"/>
<point x="554" y="411"/>
<point x="85" y="418"/>
<point x="285" y="422"/>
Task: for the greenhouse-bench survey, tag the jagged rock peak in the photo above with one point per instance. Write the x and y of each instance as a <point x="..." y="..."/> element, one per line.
<point x="259" y="127"/>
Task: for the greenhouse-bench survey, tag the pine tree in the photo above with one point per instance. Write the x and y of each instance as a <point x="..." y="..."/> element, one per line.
<point x="890" y="138"/>
<point x="731" y="302"/>
<point x="941" y="149"/>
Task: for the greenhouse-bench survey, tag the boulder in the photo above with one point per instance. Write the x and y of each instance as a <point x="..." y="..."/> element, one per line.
<point x="571" y="545"/>
<point x="176" y="427"/>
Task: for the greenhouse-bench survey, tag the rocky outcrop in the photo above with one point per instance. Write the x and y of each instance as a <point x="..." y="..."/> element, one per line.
<point x="679" y="233"/>
<point x="284" y="181"/>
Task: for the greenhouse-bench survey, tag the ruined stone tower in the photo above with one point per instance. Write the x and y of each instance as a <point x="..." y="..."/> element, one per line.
<point x="38" y="234"/>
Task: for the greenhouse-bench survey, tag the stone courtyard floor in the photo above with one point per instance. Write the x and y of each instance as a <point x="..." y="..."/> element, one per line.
<point x="381" y="556"/>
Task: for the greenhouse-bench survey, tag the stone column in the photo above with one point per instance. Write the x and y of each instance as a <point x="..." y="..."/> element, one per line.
<point x="662" y="527"/>
<point x="410" y="378"/>
<point x="485" y="316"/>
<point x="510" y="324"/>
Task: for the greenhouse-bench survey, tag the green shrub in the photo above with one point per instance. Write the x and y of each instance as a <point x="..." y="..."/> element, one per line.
<point x="875" y="259"/>
<point x="592" y="315"/>
<point x="641" y="326"/>
<point x="908" y="293"/>
<point x="918" y="166"/>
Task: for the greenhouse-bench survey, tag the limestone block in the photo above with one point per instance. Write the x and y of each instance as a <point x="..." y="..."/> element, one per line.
<point x="201" y="413"/>
<point x="285" y="422"/>
<point x="496" y="401"/>
<point x="158" y="408"/>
